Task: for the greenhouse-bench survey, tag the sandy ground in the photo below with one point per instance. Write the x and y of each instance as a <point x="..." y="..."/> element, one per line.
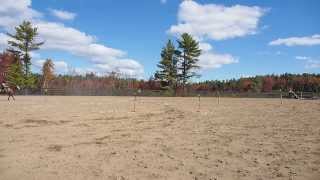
<point x="166" y="138"/>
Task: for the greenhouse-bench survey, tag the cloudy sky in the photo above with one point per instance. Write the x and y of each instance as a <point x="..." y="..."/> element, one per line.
<point x="237" y="38"/>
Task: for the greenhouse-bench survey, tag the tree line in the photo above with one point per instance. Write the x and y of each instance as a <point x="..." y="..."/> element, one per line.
<point x="258" y="84"/>
<point x="177" y="69"/>
<point x="116" y="85"/>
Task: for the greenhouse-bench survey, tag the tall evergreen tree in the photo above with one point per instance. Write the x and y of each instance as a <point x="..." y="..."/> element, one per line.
<point x="189" y="54"/>
<point x="23" y="42"/>
<point x="168" y="66"/>
<point x="15" y="74"/>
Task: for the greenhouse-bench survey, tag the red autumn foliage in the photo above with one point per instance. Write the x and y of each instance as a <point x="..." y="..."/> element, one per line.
<point x="246" y="85"/>
<point x="268" y="83"/>
<point x="6" y="59"/>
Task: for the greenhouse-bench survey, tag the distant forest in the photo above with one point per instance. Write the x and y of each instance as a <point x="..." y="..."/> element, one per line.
<point x="116" y="84"/>
<point x="176" y="68"/>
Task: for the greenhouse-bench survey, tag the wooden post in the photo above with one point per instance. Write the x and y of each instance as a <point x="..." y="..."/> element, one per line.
<point x="281" y="96"/>
<point x="199" y="102"/>
<point x="134" y="102"/>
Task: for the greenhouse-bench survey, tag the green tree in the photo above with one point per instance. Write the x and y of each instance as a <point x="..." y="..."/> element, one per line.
<point x="189" y="54"/>
<point x="23" y="42"/>
<point x="15" y="74"/>
<point x="168" y="66"/>
<point x="258" y="84"/>
<point x="30" y="81"/>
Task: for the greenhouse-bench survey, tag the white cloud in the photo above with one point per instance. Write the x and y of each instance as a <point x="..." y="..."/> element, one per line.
<point x="205" y="46"/>
<point x="127" y="67"/>
<point x="302" y="57"/>
<point x="212" y="60"/>
<point x="38" y="63"/>
<point x="217" y="22"/>
<point x="311" y="64"/>
<point x="64" y="15"/>
<point x="60" y="67"/>
<point x="245" y="76"/>
<point x="13" y="12"/>
<point x="59" y="37"/>
<point x="3" y="41"/>
<point x="298" y="41"/>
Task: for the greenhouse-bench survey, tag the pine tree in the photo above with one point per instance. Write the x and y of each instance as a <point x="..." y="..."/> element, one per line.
<point x="168" y="66"/>
<point x="189" y="54"/>
<point x="15" y="75"/>
<point x="23" y="42"/>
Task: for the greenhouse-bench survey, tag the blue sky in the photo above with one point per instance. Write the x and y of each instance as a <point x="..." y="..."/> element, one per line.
<point x="238" y="38"/>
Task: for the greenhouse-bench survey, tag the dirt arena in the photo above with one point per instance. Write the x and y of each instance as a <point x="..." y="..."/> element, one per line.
<point x="85" y="138"/>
